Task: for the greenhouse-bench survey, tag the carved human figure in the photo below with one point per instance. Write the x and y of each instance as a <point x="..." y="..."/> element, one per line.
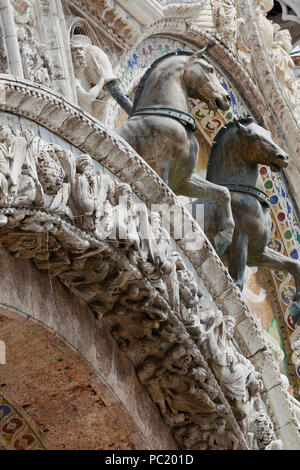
<point x="124" y="227"/>
<point x="225" y="18"/>
<point x="86" y="191"/>
<point x="262" y="7"/>
<point x="162" y="269"/>
<point x="230" y="372"/>
<point x="36" y="64"/>
<point x="222" y="438"/>
<point x="15" y="147"/>
<point x="278" y="44"/>
<point x="6" y="157"/>
<point x="284" y="66"/>
<point x="51" y="176"/>
<point x="92" y="70"/>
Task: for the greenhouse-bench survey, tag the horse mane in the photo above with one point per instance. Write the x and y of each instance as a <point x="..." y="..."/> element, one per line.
<point x="223" y="131"/>
<point x="145" y="77"/>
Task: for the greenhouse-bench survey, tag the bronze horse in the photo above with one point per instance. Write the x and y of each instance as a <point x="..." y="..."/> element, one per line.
<point x="163" y="136"/>
<point x="233" y="162"/>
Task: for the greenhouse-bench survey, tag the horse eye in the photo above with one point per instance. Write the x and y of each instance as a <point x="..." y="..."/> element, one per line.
<point x="211" y="70"/>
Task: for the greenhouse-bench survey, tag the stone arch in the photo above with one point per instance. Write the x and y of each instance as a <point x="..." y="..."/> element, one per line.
<point x="67" y="373"/>
<point x="89" y="136"/>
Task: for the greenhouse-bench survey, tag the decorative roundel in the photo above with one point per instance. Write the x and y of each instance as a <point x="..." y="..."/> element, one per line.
<point x="274" y="200"/>
<point x="269" y="184"/>
<point x="288" y="320"/>
<point x="25" y="441"/>
<point x="281" y="216"/>
<point x="275" y="244"/>
<point x="12" y="425"/>
<point x="287" y="294"/>
<point x="213" y="125"/>
<point x="263" y="171"/>
<point x="294" y="254"/>
<point x="288" y="234"/>
<point x="280" y="275"/>
<point x="4" y="410"/>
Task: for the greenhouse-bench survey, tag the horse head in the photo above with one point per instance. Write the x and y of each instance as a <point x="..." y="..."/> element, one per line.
<point x="258" y="145"/>
<point x="202" y="83"/>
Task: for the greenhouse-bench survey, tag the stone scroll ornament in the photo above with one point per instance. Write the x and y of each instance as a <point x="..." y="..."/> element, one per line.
<point x="83" y="227"/>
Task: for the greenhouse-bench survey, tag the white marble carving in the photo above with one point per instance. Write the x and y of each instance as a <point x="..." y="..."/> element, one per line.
<point x="92" y="70"/>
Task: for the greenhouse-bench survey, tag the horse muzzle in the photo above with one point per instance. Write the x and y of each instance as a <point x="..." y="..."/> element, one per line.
<point x="222" y="102"/>
<point x="282" y="161"/>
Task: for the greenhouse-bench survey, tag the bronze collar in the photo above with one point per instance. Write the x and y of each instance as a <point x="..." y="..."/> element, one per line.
<point x="184" y="118"/>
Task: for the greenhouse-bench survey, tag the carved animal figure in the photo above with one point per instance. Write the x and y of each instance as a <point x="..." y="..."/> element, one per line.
<point x="163" y="136"/>
<point x="233" y="161"/>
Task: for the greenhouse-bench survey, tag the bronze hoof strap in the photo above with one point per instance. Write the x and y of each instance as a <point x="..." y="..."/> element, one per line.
<point x="184" y="118"/>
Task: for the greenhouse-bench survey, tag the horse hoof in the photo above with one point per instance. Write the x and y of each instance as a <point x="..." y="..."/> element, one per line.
<point x="294" y="311"/>
<point x="222" y="242"/>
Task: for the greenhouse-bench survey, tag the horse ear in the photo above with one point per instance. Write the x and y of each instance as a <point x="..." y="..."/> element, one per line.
<point x="198" y="54"/>
<point x="239" y="125"/>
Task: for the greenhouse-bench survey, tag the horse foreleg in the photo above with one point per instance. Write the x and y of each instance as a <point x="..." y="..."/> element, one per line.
<point x="273" y="260"/>
<point x="196" y="187"/>
<point x="237" y="255"/>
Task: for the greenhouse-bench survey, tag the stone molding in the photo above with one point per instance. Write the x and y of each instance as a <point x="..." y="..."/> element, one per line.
<point x="265" y="75"/>
<point x="69" y="320"/>
<point x="68" y="121"/>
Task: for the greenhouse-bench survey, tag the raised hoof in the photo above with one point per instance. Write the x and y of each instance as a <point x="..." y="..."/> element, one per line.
<point x="294" y="311"/>
<point x="222" y="242"/>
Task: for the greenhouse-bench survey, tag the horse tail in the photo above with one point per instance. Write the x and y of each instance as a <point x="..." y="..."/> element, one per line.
<point x="119" y="96"/>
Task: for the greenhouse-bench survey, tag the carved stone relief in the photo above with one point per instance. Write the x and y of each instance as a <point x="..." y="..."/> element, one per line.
<point x="278" y="45"/>
<point x="36" y="66"/>
<point x="80" y="225"/>
<point x="92" y="70"/>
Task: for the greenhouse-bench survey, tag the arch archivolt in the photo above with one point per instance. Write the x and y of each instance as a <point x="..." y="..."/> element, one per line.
<point x="118" y="281"/>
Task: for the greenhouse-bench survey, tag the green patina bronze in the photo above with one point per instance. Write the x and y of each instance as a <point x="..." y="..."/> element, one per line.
<point x="234" y="159"/>
<point x="166" y="142"/>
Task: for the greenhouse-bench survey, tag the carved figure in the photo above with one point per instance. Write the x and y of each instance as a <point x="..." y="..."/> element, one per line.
<point x="224" y="12"/>
<point x="221" y="438"/>
<point x="36" y="64"/>
<point x="233" y="162"/>
<point x="92" y="70"/>
<point x="166" y="141"/>
<point x="228" y="370"/>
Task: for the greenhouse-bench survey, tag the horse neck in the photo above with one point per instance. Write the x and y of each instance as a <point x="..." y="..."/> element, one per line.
<point x="229" y="163"/>
<point x="165" y="87"/>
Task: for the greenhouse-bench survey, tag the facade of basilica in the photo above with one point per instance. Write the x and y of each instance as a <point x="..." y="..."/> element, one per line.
<point x="124" y="324"/>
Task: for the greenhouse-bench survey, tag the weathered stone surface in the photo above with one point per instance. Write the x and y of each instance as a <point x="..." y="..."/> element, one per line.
<point x="64" y="388"/>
